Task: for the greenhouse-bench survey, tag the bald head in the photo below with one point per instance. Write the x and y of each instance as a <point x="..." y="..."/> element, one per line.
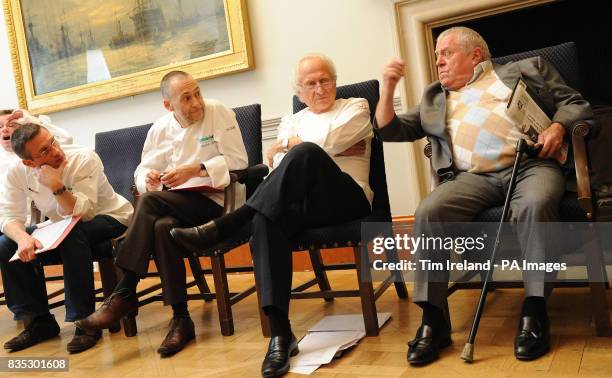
<point x="168" y="78"/>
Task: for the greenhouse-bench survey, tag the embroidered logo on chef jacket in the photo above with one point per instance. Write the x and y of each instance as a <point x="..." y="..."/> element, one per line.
<point x="206" y="140"/>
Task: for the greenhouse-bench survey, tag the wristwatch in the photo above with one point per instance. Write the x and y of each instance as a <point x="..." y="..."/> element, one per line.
<point x="60" y="191"/>
<point x="285" y="144"/>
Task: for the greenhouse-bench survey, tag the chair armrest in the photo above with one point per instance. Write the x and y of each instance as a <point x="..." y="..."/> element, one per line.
<point x="585" y="199"/>
<point x="115" y="242"/>
<point x="258" y="171"/>
<point x="135" y="194"/>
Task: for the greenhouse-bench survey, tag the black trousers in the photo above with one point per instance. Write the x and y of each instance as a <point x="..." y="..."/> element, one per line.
<point x="307" y="190"/>
<point x="25" y="289"/>
<point x="149" y="235"/>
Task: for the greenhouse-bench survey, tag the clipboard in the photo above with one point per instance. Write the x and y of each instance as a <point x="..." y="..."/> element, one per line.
<point x="51" y="235"/>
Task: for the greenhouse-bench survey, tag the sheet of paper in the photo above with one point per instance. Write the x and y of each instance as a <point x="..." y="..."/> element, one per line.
<point x="317" y="348"/>
<point x="306" y="369"/>
<point x="346" y="322"/>
<point x="52" y="234"/>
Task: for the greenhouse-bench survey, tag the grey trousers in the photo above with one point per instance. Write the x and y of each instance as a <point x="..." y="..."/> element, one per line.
<point x="539" y="188"/>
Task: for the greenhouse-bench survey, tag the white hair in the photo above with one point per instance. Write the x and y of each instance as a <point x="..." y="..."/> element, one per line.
<point x="296" y="72"/>
<point x="469" y="39"/>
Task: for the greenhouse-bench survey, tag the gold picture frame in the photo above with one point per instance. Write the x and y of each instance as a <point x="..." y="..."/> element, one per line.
<point x="70" y="53"/>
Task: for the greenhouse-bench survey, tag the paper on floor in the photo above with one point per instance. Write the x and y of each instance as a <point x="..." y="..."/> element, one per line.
<point x="346" y="322"/>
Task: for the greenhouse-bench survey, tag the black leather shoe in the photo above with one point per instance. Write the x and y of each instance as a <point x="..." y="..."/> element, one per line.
<point x="197" y="238"/>
<point x="427" y="344"/>
<point x="35" y="332"/>
<point x="181" y="332"/>
<point x="280" y="349"/>
<point x="83" y="340"/>
<point x="533" y="338"/>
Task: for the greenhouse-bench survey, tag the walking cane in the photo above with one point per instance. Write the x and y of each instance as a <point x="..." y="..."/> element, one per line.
<point x="468" y="351"/>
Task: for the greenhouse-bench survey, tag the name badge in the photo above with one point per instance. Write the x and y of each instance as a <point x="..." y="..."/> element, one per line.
<point x="206" y="140"/>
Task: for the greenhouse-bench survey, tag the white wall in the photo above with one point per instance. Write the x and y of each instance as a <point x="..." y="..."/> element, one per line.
<point x="357" y="34"/>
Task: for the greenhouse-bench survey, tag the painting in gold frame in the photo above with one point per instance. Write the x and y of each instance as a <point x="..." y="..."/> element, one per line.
<point x="70" y="53"/>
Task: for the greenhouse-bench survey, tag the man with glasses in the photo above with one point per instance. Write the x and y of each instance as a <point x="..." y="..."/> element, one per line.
<point x="10" y="120"/>
<point x="321" y="164"/>
<point x="61" y="184"/>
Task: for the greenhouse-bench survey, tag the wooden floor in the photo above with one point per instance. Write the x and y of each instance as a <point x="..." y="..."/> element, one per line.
<point x="575" y="352"/>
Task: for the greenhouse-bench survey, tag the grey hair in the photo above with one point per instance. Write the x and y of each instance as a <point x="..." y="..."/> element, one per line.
<point x="23" y="135"/>
<point x="469" y="39"/>
<point x="296" y="72"/>
<point x="165" y="82"/>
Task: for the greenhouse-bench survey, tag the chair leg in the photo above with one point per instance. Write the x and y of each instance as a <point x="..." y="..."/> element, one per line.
<point x="366" y="293"/>
<point x="223" y="295"/>
<point x="130" y="328"/>
<point x="398" y="279"/>
<point x="599" y="303"/>
<point x="108" y="276"/>
<point x="319" y="271"/>
<point x="198" y="276"/>
<point x="600" y="309"/>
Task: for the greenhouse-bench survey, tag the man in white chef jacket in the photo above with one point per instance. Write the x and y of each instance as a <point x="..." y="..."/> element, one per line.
<point x="199" y="138"/>
<point x="62" y="183"/>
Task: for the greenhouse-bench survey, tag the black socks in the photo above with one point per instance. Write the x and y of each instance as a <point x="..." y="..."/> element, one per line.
<point x="179" y="310"/>
<point x="127" y="286"/>
<point x="432" y="316"/>
<point x="229" y="223"/>
<point x="535" y="307"/>
<point x="44" y="318"/>
<point x="279" y="322"/>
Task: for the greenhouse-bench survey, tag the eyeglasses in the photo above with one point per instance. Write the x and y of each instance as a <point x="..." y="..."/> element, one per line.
<point x="45" y="151"/>
<point x="324" y="83"/>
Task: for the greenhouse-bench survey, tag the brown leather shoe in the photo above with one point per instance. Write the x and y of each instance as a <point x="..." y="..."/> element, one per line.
<point x="83" y="340"/>
<point x="110" y="312"/>
<point x="181" y="332"/>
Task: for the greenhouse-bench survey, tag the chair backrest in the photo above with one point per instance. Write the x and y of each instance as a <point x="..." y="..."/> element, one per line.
<point x="381" y="210"/>
<point x="563" y="57"/>
<point x="121" y="149"/>
<point x="249" y="120"/>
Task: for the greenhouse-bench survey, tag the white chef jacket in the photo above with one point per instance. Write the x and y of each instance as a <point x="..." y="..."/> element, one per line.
<point x="345" y="124"/>
<point x="215" y="141"/>
<point x="83" y="176"/>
